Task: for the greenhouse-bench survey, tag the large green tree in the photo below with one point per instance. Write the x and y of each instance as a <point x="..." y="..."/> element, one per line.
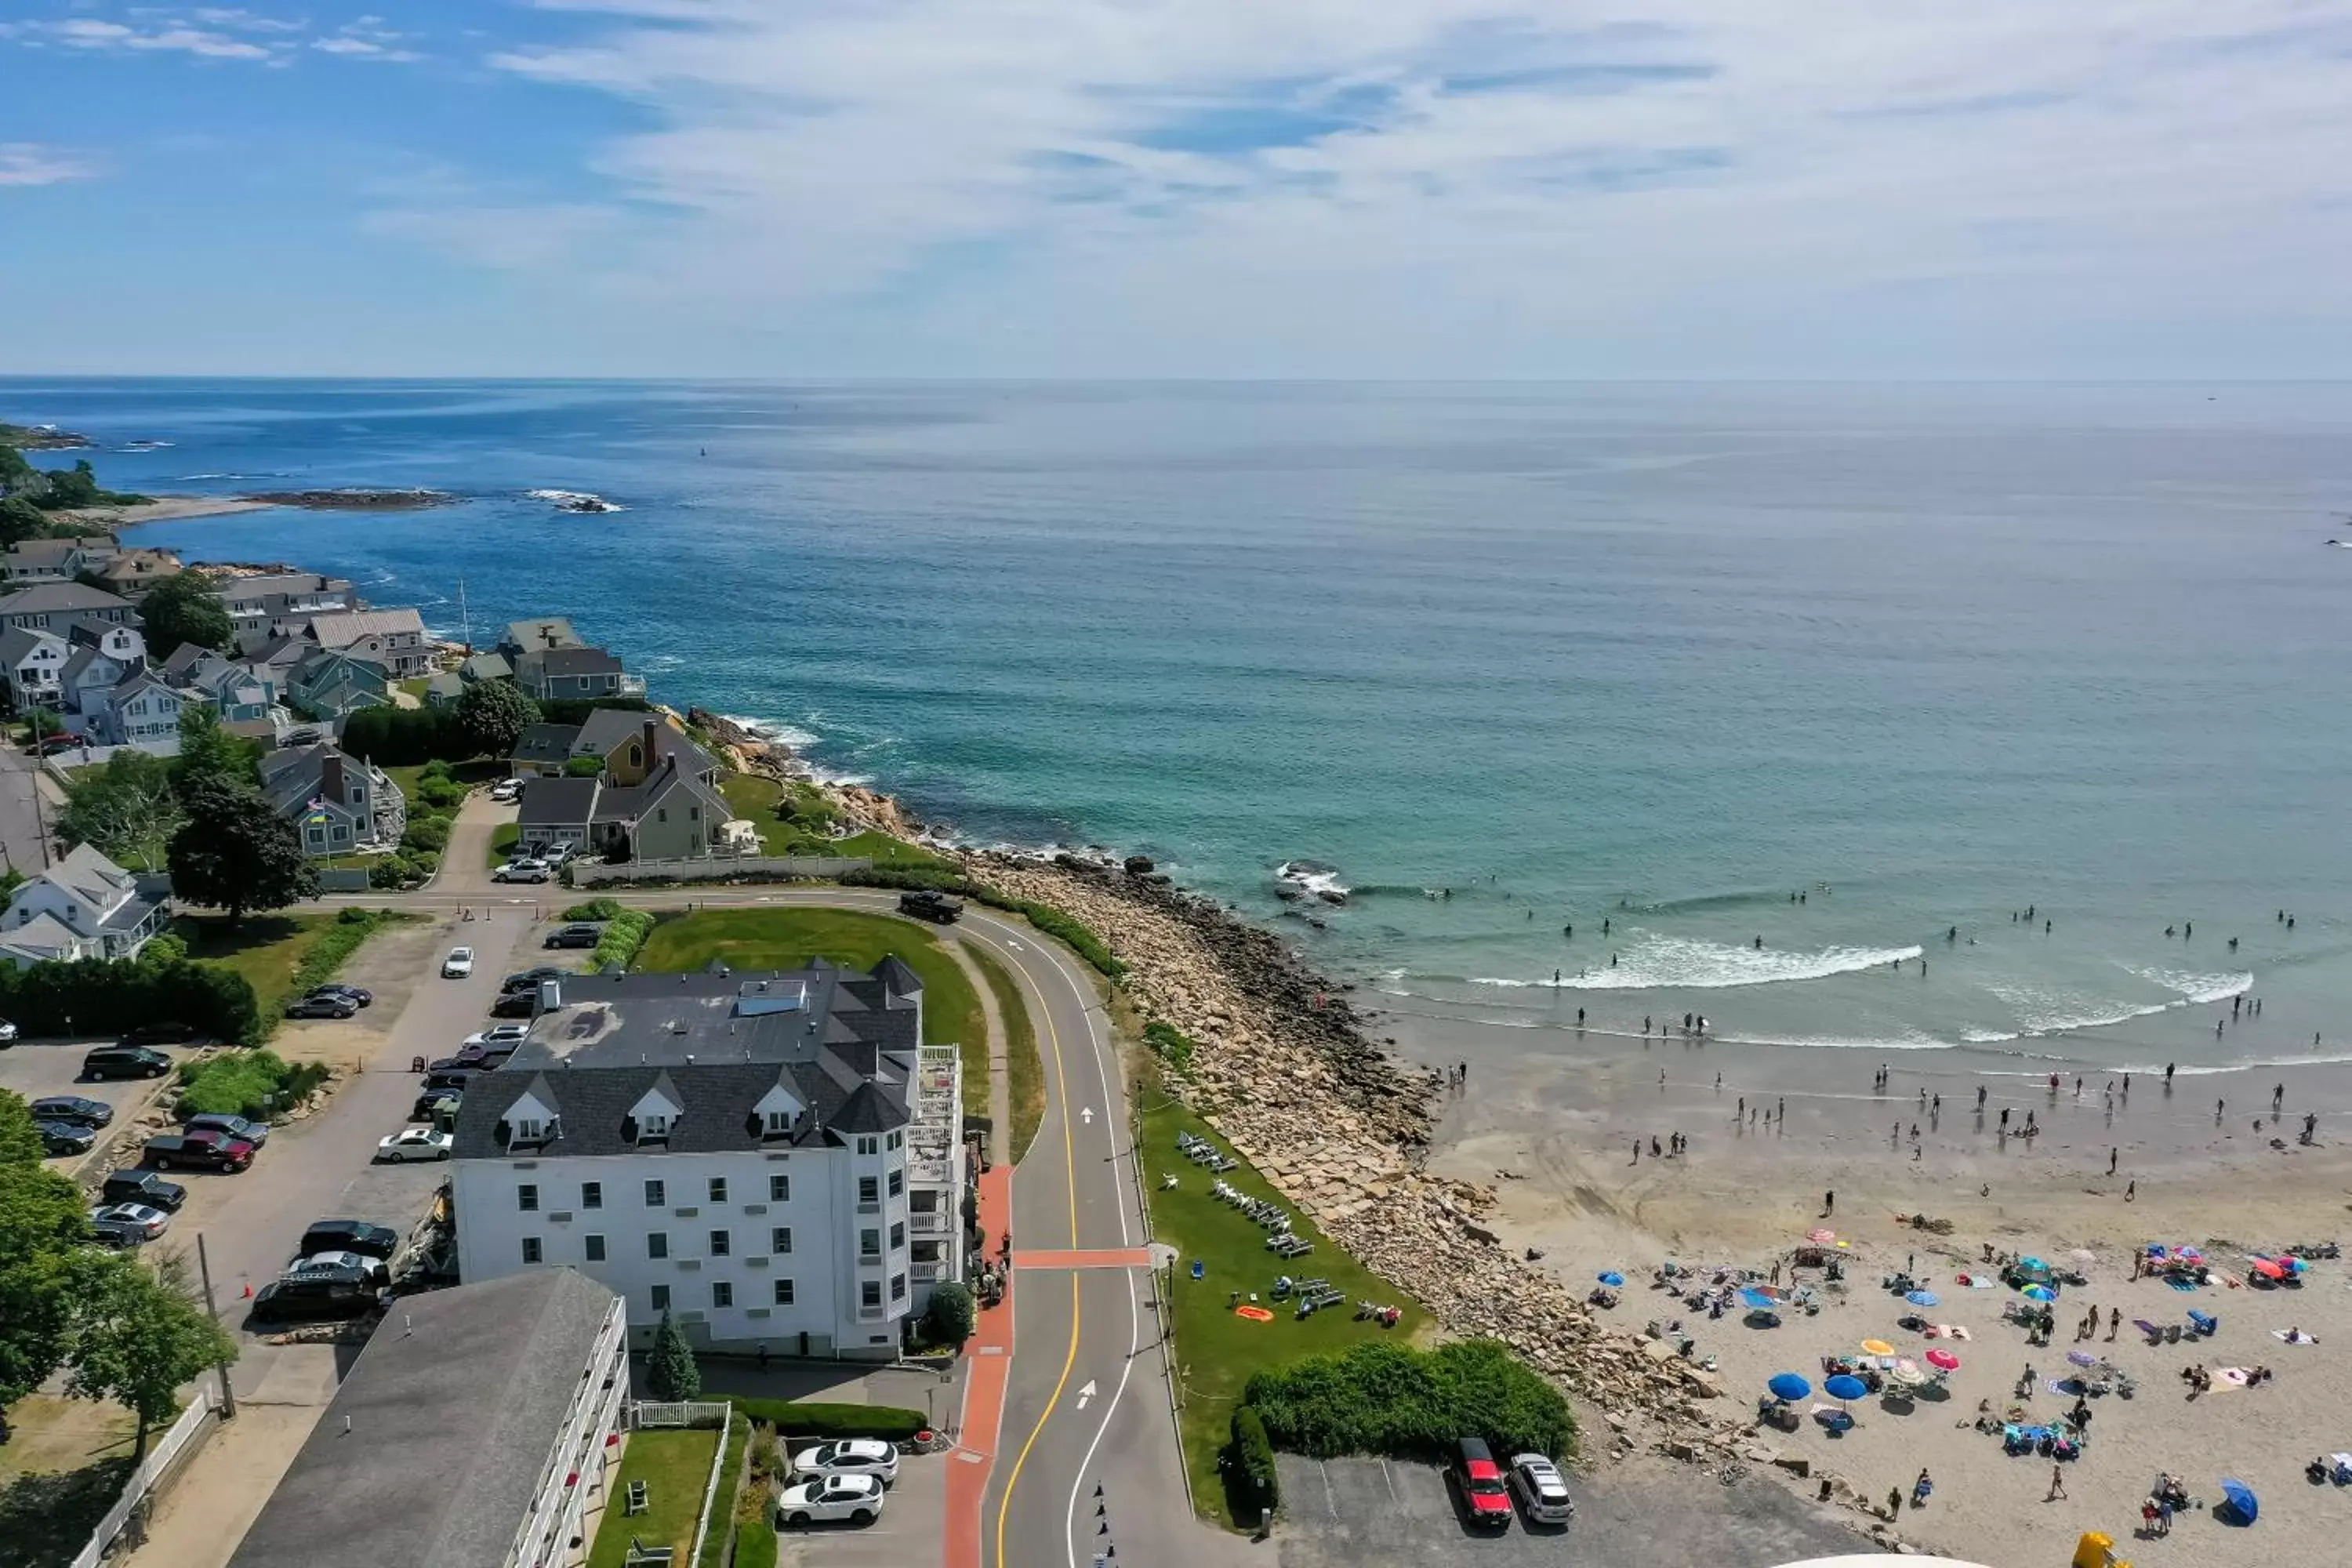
<point x="208" y="753"/>
<point x="140" y="1336"/>
<point x="492" y="716"/>
<point x="20" y="519"/>
<point x="42" y="1225"/>
<point x="127" y="810"/>
<point x="236" y="853"/>
<point x="670" y="1370"/>
<point x="185" y="609"/>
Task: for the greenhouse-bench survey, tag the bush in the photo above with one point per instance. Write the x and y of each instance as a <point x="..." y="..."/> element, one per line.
<point x="403" y="737"/>
<point x="337" y="942"/>
<point x="1383" y="1398"/>
<point x="250" y="1084"/>
<point x="801" y="1418"/>
<point x="1249" y="1460"/>
<point x="908" y="878"/>
<point x="595" y="910"/>
<point x="625" y="933"/>
<point x="109" y="995"/>
<point x="950" y="1318"/>
<point x="1054" y="923"/>
<point x="427" y="833"/>
<point x="435" y="769"/>
<point x="583" y="767"/>
<point x="440" y="792"/>
<point x="1170" y="1045"/>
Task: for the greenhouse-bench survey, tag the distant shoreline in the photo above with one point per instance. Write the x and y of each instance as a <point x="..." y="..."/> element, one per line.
<point x="161" y="508"/>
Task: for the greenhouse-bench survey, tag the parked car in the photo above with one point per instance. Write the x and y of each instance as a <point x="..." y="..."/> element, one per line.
<point x="51" y="745"/>
<point x="499" y="1035"/>
<point x="152" y="1223"/>
<point x="71" y="1108"/>
<point x="413" y="1144"/>
<point x="436" y="1103"/>
<point x="1485" y="1502"/>
<point x="458" y="964"/>
<point x="457" y="1079"/>
<point x="254" y="1133"/>
<point x="526" y="983"/>
<point x="516" y="1004"/>
<point x="350" y="1236"/>
<point x="323" y="1296"/>
<point x="197" y="1152"/>
<point x="858" y="1498"/>
<point x="577" y="934"/>
<point x="1542" y="1492"/>
<point x="358" y="996"/>
<point x="301" y="738"/>
<point x="466" y="1058"/>
<point x="357" y="1266"/>
<point x="521" y="871"/>
<point x="65" y="1137"/>
<point x="7" y="1034"/>
<point x="145" y="1187"/>
<point x="850" y="1457"/>
<point x="120" y="1234"/>
<point x="926" y="905"/>
<point x="161" y="1032"/>
<point x="124" y="1061"/>
<point x="506" y="791"/>
<point x="322" y="1006"/>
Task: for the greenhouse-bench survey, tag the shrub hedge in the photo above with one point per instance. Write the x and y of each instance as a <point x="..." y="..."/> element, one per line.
<point x="1387" y="1399"/>
<point x="806" y="1418"/>
<point x="110" y="995"/>
<point x="1044" y="917"/>
<point x="1250" y="1458"/>
<point x="1170" y="1045"/>
<point x="595" y="910"/>
<point x="250" y="1084"/>
<point x="625" y="933"/>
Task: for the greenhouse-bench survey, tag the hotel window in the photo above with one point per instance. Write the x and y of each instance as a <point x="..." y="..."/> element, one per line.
<point x="658" y="1244"/>
<point x="718" y="1189"/>
<point x="869" y="1145"/>
<point x="527" y="1198"/>
<point x="654" y="1127"/>
<point x="897" y="1236"/>
<point x="779" y="1123"/>
<point x="530" y="1249"/>
<point x="869" y="1190"/>
<point x="869" y="1244"/>
<point x="783" y="1292"/>
<point x="723" y="1294"/>
<point x="656" y="1194"/>
<point x="719" y="1244"/>
<point x="897" y="1183"/>
<point x="780" y="1238"/>
<point x="870" y="1293"/>
<point x="592" y="1195"/>
<point x="780" y="1189"/>
<point x="898" y="1287"/>
<point x="896" y="1139"/>
<point x="592" y="1248"/>
<point x="661" y="1298"/>
<point x="525" y="1132"/>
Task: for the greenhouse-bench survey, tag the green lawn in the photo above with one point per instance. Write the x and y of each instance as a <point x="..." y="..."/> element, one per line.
<point x="1025" y="1070"/>
<point x="788" y="939"/>
<point x="479" y="770"/>
<point x="503" y="839"/>
<point x="675" y="1463"/>
<point x="265" y="950"/>
<point x="1216" y="1349"/>
<point x="761" y="800"/>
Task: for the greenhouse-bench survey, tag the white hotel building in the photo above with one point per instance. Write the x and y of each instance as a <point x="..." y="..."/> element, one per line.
<point x="773" y="1158"/>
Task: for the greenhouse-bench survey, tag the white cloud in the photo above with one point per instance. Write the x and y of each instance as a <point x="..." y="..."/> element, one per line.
<point x="91" y="33"/>
<point x="216" y="32"/>
<point x="1469" y="185"/>
<point x="31" y="163"/>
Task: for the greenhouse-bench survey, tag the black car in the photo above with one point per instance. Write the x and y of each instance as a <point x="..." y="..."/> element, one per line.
<point x="357" y="995"/>
<point x="65" y="1137"/>
<point x="349" y="1236"/>
<point x="125" y="1061"/>
<point x="162" y="1032"/>
<point x="926" y="905"/>
<point x="254" y="1133"/>
<point x="527" y="981"/>
<point x="197" y="1152"/>
<point x="71" y="1108"/>
<point x="434" y="1102"/>
<point x="516" y="1004"/>
<point x="323" y="1296"/>
<point x="457" y="1079"/>
<point x="323" y="1006"/>
<point x="143" y="1187"/>
<point x="575" y="936"/>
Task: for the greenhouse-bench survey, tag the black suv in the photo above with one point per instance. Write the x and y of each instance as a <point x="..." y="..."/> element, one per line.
<point x="516" y="1004"/>
<point x="525" y="983"/>
<point x="65" y="1137"/>
<point x="321" y="1297"/>
<point x="125" y="1061"/>
<point x="143" y="1187"/>
<point x="575" y="936"/>
<point x="349" y="1236"/>
<point x="162" y="1032"/>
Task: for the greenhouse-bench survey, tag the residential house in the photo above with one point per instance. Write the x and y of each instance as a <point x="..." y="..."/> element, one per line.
<point x="35" y="660"/>
<point x="656" y="796"/>
<point x="60" y="607"/>
<point x="132" y="572"/>
<point x="85" y="906"/>
<point x="144" y="711"/>
<point x="393" y="638"/>
<point x="475" y="668"/>
<point x="543" y="750"/>
<point x="573" y="675"/>
<point x="551" y="631"/>
<point x="555" y="812"/>
<point x="269" y="606"/>
<point x="98" y="658"/>
<point x="775" y="1159"/>
<point x="341" y="804"/>
<point x="330" y="685"/>
<point x="479" y="1427"/>
<point x="244" y="698"/>
<point x="673" y="815"/>
<point x="55" y="560"/>
<point x="443" y="688"/>
<point x="630" y="743"/>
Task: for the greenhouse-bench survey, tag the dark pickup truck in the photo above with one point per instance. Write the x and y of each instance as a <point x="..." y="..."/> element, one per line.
<point x="937" y="908"/>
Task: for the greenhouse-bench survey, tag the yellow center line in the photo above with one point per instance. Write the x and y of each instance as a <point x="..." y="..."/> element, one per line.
<point x="1070" y="1360"/>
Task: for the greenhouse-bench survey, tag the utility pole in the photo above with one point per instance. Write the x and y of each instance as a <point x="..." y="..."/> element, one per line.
<point x="205" y="1272"/>
<point x="40" y="818"/>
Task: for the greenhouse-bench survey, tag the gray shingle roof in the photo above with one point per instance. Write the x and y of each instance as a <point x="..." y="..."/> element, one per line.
<point x="557" y="801"/>
<point x="455" y="1407"/>
<point x="545" y="743"/>
<point x="547" y="631"/>
<point x="55" y="598"/>
<point x="565" y="662"/>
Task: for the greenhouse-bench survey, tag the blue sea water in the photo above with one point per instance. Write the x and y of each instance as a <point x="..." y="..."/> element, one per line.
<point x="1661" y="656"/>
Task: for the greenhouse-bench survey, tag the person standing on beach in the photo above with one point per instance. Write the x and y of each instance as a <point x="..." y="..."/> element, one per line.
<point x="2168" y="1075"/>
<point x="1637" y="1151"/>
<point x="1981" y="1097"/>
<point x="2057" y="1482"/>
<point x="2278" y="1098"/>
<point x="1829" y="1203"/>
<point x="2113" y="1155"/>
<point x="2131" y="1190"/>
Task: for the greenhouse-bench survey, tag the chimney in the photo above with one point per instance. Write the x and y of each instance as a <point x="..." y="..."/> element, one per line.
<point x="330" y="776"/>
<point x="652" y="731"/>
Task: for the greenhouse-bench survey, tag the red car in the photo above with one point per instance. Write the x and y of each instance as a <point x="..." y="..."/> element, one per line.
<point x="1485" y="1500"/>
<point x="54" y="744"/>
<point x="202" y="1150"/>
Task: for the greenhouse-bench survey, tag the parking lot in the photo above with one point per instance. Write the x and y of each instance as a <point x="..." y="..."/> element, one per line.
<point x="1384" y="1513"/>
<point x="912" y="1524"/>
<point x="35" y="1069"/>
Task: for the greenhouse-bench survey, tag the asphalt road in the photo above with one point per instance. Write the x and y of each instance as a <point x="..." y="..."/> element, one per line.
<point x="20" y="823"/>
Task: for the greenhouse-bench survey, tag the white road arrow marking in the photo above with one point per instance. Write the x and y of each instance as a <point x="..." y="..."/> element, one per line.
<point x="1086" y="1394"/>
<point x="1014" y="945"/>
<point x="1086" y="1115"/>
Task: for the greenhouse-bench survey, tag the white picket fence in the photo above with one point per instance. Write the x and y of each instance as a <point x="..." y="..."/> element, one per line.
<point x="161" y="1453"/>
<point x="647" y="1413"/>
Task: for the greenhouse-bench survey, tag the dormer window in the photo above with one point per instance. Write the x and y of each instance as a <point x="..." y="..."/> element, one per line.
<point x="653" y="1126"/>
<point x="529" y="1132"/>
<point x="779" y="1123"/>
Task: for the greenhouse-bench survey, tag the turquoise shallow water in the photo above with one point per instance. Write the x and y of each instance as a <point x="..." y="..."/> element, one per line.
<point x="1654" y="654"/>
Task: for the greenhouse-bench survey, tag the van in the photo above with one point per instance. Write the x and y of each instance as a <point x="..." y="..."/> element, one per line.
<point x="124" y="1061"/>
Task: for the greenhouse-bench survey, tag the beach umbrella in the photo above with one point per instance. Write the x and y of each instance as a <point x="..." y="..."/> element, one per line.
<point x="2268" y="1269"/>
<point x="1788" y="1386"/>
<point x="1943" y="1360"/>
<point x="1844" y="1387"/>
<point x="1758" y="1300"/>
<point x="2082" y="1358"/>
<point x="1922" y="1299"/>
<point x="2032" y="1263"/>
<point x="1906" y="1375"/>
<point x="2240" y="1499"/>
<point x="1877" y="1347"/>
<point x="1612" y="1278"/>
<point x="2083" y="1254"/>
<point x="2040" y="1293"/>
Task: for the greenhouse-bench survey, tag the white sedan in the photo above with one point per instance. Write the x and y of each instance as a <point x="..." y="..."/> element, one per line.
<point x="858" y="1498"/>
<point x="458" y="964"/>
<point x="499" y="1035"/>
<point x="850" y="1457"/>
<point x="414" y="1143"/>
<point x="1542" y="1493"/>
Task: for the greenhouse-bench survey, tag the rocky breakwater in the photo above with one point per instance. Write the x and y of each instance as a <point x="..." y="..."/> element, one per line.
<point x="1281" y="1068"/>
<point x="749" y="750"/>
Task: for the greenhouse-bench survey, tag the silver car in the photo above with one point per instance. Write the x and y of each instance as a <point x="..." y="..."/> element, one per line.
<point x="1542" y="1493"/>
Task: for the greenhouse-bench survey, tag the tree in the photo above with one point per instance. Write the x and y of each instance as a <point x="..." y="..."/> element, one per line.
<point x="670" y="1371"/>
<point x="949" y="1319"/>
<point x="492" y="716"/>
<point x="142" y="1335"/>
<point x="208" y="753"/>
<point x="185" y="609"/>
<point x="20" y="519"/>
<point x="44" y="721"/>
<point x="125" y="810"/>
<point x="74" y="487"/>
<point x="236" y="853"/>
<point x="42" y="1225"/>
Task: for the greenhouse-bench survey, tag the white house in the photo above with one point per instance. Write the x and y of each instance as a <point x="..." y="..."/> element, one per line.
<point x="99" y="658"/>
<point x="85" y="906"/>
<point x="35" y="660"/>
<point x="394" y="639"/>
<point x="775" y="1159"/>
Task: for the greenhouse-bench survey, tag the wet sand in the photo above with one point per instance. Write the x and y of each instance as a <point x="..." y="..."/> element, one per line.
<point x="1549" y="1120"/>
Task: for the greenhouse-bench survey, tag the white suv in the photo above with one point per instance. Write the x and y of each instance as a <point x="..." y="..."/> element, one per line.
<point x="849" y="1457"/>
<point x="1542" y="1491"/>
<point x="858" y="1498"/>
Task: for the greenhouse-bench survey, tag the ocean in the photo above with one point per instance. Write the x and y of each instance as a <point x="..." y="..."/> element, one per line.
<point x="1502" y="659"/>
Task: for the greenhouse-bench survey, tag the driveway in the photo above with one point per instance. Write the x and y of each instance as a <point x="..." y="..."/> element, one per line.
<point x="35" y="1069"/>
<point x="905" y="1536"/>
<point x="1375" y="1513"/>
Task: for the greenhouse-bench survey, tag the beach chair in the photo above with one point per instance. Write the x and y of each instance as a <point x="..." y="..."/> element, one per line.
<point x="2203" y="1323"/>
<point x="639" y="1499"/>
<point x="1834" y="1418"/>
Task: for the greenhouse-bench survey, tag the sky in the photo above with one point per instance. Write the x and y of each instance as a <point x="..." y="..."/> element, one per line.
<point x="1423" y="189"/>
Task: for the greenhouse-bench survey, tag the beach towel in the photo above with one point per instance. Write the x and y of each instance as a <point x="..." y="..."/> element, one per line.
<point x="2294" y="1336"/>
<point x="2150" y="1330"/>
<point x="2232" y="1377"/>
<point x="2180" y="1284"/>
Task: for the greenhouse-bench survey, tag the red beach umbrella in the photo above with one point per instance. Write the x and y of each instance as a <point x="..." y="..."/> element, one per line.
<point x="1943" y="1360"/>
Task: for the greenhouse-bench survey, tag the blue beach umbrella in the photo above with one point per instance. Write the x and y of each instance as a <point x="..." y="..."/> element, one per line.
<point x="2238" y="1498"/>
<point x="2040" y="1293"/>
<point x="1788" y="1386"/>
<point x="2032" y="1263"/>
<point x="1758" y="1300"/>
<point x="1612" y="1278"/>
<point x="1923" y="1298"/>
<point x="1842" y="1387"/>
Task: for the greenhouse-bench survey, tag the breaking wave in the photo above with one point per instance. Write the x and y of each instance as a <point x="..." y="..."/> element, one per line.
<point x="2197" y="988"/>
<point x="1675" y="963"/>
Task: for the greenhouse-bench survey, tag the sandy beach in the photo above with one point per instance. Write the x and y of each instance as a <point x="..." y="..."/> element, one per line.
<point x="161" y="508"/>
<point x="1551" y="1122"/>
